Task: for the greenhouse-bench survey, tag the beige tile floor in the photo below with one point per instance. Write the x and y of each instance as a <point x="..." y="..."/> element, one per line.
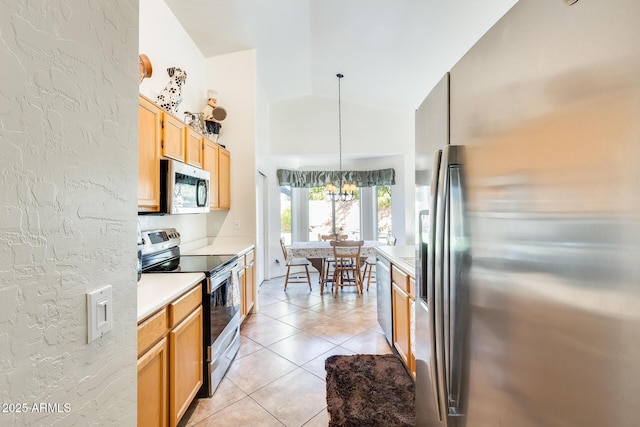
<point x="278" y="376"/>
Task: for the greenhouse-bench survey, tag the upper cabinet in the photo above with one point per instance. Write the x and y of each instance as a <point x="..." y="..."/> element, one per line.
<point x="161" y="135"/>
<point x="217" y="161"/>
<point x="173" y="137"/>
<point x="224" y="179"/>
<point x="149" y="129"/>
<point x="210" y="163"/>
<point x="194" y="147"/>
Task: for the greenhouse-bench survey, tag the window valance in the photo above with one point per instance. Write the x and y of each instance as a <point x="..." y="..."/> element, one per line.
<point x="309" y="179"/>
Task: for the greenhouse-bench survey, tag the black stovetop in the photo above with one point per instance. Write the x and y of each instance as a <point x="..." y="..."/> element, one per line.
<point x="207" y="264"/>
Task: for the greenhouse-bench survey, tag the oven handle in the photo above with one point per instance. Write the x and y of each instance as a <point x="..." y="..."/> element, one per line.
<point x="219" y="278"/>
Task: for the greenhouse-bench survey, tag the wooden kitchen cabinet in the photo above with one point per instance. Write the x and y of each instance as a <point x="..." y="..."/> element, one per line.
<point x="170" y="360"/>
<point x="153" y="374"/>
<point x="194" y="148"/>
<point x="173" y="137"/>
<point x="217" y="161"/>
<point x="210" y="163"/>
<point x="162" y="135"/>
<point x="149" y="136"/>
<point x="224" y="179"/>
<point x="185" y="364"/>
<point x="152" y="386"/>
<point x="242" y="281"/>
<point x="401" y="303"/>
<point x="248" y="284"/>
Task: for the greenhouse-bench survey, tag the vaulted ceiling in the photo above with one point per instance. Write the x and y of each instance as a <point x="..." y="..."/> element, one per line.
<point x="391" y="52"/>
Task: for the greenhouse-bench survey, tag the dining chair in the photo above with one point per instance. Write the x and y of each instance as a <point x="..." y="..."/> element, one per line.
<point x="294" y="262"/>
<point x="346" y="272"/>
<point x="326" y="275"/>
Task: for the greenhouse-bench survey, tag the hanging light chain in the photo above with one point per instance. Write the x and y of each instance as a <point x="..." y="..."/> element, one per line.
<point x="340" y="193"/>
<point x="340" y="76"/>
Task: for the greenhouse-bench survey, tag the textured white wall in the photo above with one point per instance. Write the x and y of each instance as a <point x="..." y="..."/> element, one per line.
<point x="68" y="131"/>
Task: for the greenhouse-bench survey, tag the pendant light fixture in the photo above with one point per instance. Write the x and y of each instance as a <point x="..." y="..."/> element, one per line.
<point x="344" y="191"/>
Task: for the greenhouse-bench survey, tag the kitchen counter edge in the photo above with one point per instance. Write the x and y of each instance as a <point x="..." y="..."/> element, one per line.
<point x="156" y="290"/>
<point x="223" y="249"/>
<point x="398" y="255"/>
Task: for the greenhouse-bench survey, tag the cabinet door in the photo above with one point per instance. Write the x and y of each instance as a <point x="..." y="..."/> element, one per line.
<point x="224" y="179"/>
<point x="242" y="279"/>
<point x="152" y="386"/>
<point x="194" y="147"/>
<point x="172" y="137"/>
<point x="401" y="319"/>
<point x="186" y="364"/>
<point x="210" y="163"/>
<point x="149" y="128"/>
<point x="250" y="267"/>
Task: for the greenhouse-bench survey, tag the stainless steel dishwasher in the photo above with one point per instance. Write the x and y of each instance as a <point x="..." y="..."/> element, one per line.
<point x="383" y="290"/>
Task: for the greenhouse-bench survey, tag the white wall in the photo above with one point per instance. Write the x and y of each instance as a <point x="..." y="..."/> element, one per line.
<point x="309" y="126"/>
<point x="68" y="107"/>
<point x="263" y="233"/>
<point x="234" y="76"/>
<point x="167" y="44"/>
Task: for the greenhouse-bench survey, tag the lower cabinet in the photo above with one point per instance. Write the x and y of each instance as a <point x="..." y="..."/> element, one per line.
<point x="170" y="360"/>
<point x="185" y="367"/>
<point x="152" y="386"/>
<point x="248" y="290"/>
<point x="403" y="303"/>
<point x="401" y="320"/>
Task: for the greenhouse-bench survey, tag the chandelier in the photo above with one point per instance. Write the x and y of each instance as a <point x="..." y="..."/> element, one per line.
<point x="343" y="191"/>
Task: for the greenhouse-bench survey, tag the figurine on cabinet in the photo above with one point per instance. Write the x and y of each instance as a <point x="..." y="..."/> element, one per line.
<point x="213" y="113"/>
<point x="171" y="95"/>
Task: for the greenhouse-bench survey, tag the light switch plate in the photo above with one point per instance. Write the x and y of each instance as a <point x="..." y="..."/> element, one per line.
<point x="99" y="313"/>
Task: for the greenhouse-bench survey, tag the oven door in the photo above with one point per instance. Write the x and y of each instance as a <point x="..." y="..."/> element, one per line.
<point x="221" y="328"/>
<point x="224" y="303"/>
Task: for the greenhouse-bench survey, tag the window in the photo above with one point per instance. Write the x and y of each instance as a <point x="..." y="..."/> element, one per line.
<point x="347" y="215"/>
<point x="285" y="214"/>
<point x="307" y="213"/>
<point x="383" y="193"/>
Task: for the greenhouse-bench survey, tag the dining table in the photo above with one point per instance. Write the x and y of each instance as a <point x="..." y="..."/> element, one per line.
<point x="316" y="252"/>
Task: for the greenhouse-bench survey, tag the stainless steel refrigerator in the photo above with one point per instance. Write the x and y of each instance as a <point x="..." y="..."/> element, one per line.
<point x="529" y="271"/>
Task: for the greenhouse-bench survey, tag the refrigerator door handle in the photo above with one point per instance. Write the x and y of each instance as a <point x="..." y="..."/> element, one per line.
<point x="430" y="281"/>
<point x="438" y="287"/>
<point x="448" y="334"/>
<point x="457" y="252"/>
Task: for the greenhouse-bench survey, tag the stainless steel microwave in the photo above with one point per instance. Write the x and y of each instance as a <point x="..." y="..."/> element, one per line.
<point x="184" y="189"/>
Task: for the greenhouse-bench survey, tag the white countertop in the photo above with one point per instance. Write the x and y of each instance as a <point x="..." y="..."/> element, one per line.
<point x="401" y="256"/>
<point x="222" y="248"/>
<point x="155" y="290"/>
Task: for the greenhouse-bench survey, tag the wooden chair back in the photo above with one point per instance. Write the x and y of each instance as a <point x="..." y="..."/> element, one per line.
<point x="347" y="250"/>
<point x="326" y="237"/>
<point x="346" y="256"/>
<point x="284" y="248"/>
